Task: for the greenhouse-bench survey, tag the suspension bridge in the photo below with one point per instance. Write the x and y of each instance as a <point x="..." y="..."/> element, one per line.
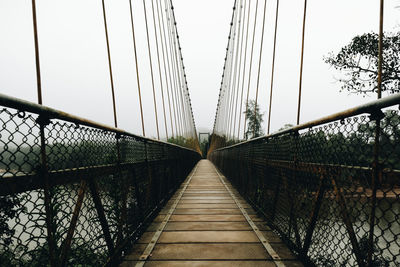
<point x="75" y="192"/>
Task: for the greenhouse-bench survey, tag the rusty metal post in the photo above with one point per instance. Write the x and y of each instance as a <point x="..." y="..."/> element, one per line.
<point x="124" y="187"/>
<point x="43" y="157"/>
<point x="149" y="175"/>
<point x="47" y="195"/>
<point x="377" y="117"/>
<point x="165" y="177"/>
<point x="314" y="216"/>
<point x="102" y="217"/>
<point x="67" y="242"/>
<point x="376" y="173"/>
<point x="290" y="195"/>
<point x="347" y="222"/>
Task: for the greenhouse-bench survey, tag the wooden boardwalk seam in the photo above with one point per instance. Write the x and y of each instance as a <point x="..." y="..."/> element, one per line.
<point x="207" y="223"/>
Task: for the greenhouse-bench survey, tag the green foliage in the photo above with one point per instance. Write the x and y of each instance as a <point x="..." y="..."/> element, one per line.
<point x="377" y="259"/>
<point x="59" y="156"/>
<point x="178" y="140"/>
<point x="285" y="126"/>
<point x="358" y="63"/>
<point x="10" y="207"/>
<point x="182" y="141"/>
<point x="204" y="147"/>
<point x="254" y="120"/>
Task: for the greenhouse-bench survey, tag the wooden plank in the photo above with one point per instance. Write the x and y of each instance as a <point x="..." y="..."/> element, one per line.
<point x="207" y="223"/>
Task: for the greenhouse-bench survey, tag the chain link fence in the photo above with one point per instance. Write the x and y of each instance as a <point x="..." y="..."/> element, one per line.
<point x="330" y="188"/>
<point x="74" y="192"/>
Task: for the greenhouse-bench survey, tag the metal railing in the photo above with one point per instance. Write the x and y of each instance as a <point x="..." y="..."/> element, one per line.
<point x="330" y="187"/>
<point x="75" y="192"/>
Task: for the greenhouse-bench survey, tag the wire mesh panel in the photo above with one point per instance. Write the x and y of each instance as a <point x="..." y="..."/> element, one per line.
<point x="330" y="188"/>
<point x="73" y="192"/>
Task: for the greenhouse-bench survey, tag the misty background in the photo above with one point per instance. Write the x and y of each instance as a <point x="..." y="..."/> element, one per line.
<point x="74" y="63"/>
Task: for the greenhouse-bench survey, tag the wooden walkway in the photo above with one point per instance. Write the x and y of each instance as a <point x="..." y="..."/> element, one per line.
<point x="207" y="223"/>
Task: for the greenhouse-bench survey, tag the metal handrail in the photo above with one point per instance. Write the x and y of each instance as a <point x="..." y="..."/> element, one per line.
<point x="369" y="107"/>
<point x="51" y="113"/>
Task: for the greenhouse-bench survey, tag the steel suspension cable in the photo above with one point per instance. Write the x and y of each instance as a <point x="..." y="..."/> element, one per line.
<point x="159" y="68"/>
<point x="177" y="89"/>
<point x="37" y="56"/>
<point x="164" y="64"/>
<point x="169" y="64"/>
<point x="244" y="67"/>
<point x="227" y="74"/>
<point x="225" y="90"/>
<point x="185" y="115"/>
<point x="301" y="62"/>
<point x="137" y="67"/>
<point x="216" y="128"/>
<point x="174" y="70"/>
<point x="179" y="69"/>
<point x="259" y="64"/>
<point x="236" y="64"/>
<point x="230" y="77"/>
<point x="181" y="72"/>
<point x="228" y="91"/>
<point x="186" y="105"/>
<point x="380" y="48"/>
<point x="189" y="112"/>
<point x="240" y="63"/>
<point x="109" y="65"/>
<point x="273" y="66"/>
<point x="151" y="68"/>
<point x="250" y="67"/>
<point x="228" y="95"/>
<point x="224" y="86"/>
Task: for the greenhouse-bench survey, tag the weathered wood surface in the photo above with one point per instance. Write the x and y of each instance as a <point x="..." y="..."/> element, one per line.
<point x="203" y="225"/>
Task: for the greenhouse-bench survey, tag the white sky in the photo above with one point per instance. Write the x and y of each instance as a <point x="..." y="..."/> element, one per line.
<point x="74" y="60"/>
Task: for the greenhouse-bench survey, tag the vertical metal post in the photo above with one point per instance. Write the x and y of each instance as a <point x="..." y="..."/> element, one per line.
<point x="43" y="157"/>
<point x="293" y="218"/>
<point x="149" y="190"/>
<point x="47" y="195"/>
<point x="376" y="164"/>
<point x="121" y="182"/>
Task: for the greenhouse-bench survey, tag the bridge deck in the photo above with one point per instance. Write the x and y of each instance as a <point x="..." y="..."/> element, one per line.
<point x="207" y="223"/>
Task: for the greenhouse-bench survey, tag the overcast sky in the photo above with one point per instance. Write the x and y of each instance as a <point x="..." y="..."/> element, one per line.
<point x="74" y="60"/>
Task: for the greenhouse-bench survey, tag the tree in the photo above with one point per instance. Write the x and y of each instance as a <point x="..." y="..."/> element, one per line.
<point x="358" y="62"/>
<point x="204" y="147"/>
<point x="254" y="120"/>
<point x="285" y="126"/>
